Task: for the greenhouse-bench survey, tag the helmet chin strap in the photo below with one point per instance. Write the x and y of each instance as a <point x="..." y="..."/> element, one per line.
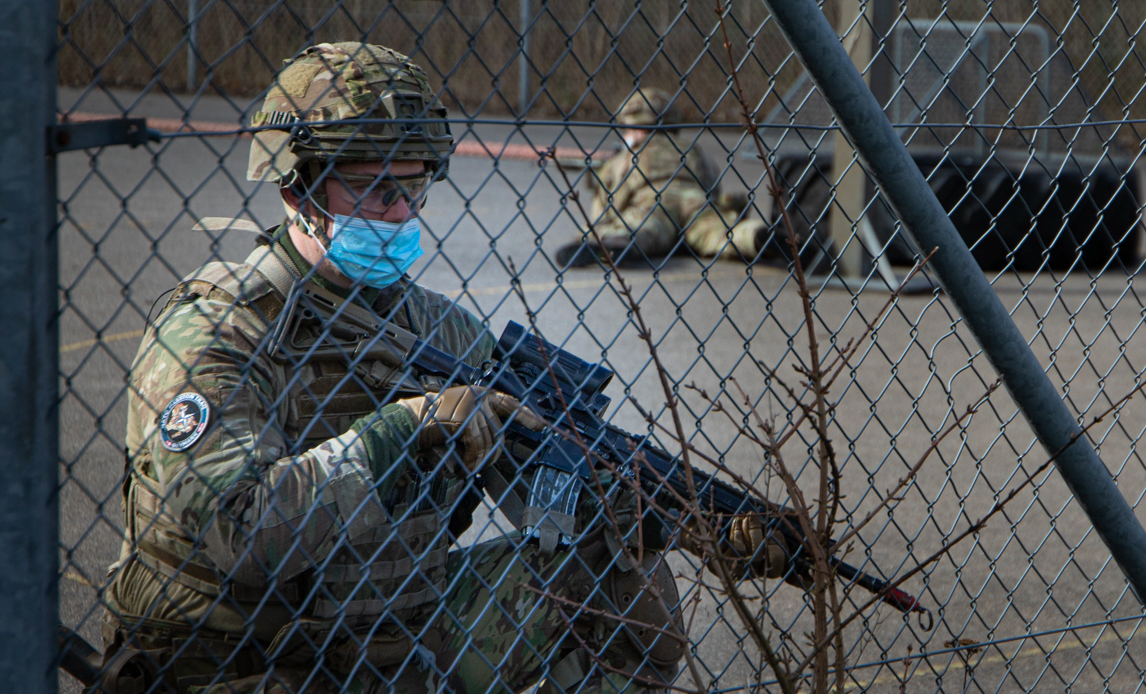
<point x="314" y="230"/>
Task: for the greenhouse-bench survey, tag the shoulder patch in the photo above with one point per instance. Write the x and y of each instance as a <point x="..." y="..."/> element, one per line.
<point x="184" y="421"/>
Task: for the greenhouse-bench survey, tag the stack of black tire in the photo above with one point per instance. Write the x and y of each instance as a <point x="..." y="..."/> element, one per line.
<point x="1034" y="217"/>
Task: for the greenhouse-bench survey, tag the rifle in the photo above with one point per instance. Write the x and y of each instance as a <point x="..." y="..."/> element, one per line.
<point x="77" y="657"/>
<point x="569" y="393"/>
<point x="126" y="670"/>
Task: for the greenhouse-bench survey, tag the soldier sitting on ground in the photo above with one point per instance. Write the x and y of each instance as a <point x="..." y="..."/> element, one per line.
<point x="292" y="502"/>
<point x="658" y="189"/>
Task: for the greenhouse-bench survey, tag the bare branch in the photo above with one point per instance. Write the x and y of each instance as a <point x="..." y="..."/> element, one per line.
<point x="906" y="479"/>
<point x="853" y="345"/>
<point x="708" y="533"/>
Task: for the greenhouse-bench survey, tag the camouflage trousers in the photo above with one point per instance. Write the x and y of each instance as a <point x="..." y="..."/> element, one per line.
<point x="511" y="617"/>
<point x="712" y="232"/>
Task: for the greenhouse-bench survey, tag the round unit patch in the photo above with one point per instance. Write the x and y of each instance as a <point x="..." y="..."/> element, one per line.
<point x="183" y="421"/>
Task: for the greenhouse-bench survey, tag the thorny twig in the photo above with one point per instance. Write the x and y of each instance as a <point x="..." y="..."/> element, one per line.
<point x="829" y="495"/>
<point x="778" y="464"/>
<point x="906" y="670"/>
<point x="708" y="533"/>
<point x="949" y="544"/>
<point x="853" y="345"/>
<point x="893" y="494"/>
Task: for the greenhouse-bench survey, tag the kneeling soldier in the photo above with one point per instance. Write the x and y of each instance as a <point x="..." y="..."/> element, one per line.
<point x="292" y="496"/>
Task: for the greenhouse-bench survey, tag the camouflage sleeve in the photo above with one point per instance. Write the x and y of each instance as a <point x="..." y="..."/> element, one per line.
<point x="611" y="176"/>
<point x="447" y="326"/>
<point x="232" y="491"/>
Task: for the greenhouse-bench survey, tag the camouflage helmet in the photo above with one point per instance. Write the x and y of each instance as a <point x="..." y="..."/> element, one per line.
<point x="344" y="81"/>
<point x="649" y="107"/>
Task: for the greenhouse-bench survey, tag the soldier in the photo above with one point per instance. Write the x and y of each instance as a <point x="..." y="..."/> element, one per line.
<point x="291" y="496"/>
<point x="658" y="189"/>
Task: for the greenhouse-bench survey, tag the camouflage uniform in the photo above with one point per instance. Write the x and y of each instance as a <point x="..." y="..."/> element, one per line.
<point x="652" y="193"/>
<point x="287" y="532"/>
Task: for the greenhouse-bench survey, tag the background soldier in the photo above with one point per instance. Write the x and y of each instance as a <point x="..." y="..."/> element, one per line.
<point x="291" y="498"/>
<point x="658" y="189"/>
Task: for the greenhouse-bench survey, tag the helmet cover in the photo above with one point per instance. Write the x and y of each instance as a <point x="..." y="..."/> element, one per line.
<point x="649" y="107"/>
<point x="330" y="83"/>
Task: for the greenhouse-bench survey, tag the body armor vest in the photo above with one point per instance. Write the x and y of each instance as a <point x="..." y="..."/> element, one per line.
<point x="399" y="565"/>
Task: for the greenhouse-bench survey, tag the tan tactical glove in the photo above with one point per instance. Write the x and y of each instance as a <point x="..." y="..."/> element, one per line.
<point x="472" y="413"/>
<point x="746" y="535"/>
<point x="741" y="547"/>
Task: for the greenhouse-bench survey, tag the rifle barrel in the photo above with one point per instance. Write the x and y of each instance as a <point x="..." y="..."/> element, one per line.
<point x="895" y="597"/>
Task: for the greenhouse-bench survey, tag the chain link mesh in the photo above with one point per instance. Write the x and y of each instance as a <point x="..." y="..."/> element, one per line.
<point x="1026" y="121"/>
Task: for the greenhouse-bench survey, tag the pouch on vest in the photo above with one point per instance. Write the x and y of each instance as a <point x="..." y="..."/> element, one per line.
<point x="302" y="641"/>
<point x="132" y="671"/>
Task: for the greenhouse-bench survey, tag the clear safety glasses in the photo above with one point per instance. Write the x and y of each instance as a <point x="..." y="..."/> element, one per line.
<point x="377" y="193"/>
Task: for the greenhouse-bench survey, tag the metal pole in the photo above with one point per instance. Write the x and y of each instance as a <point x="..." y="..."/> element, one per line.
<point x="192" y="45"/>
<point x="524" y="18"/>
<point x="844" y="219"/>
<point x="869" y="131"/>
<point x="880" y="73"/>
<point x="29" y="538"/>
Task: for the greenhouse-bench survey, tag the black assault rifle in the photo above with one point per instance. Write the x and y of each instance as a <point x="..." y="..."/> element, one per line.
<point x="567" y="392"/>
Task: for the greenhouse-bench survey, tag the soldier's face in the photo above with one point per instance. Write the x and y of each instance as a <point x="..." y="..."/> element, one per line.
<point x="634" y="137"/>
<point x="361" y="190"/>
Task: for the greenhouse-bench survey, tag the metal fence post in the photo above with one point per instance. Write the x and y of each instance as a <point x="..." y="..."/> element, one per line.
<point x="28" y="372"/>
<point x="524" y="11"/>
<point x="192" y="44"/>
<point x="871" y="134"/>
<point x="850" y="195"/>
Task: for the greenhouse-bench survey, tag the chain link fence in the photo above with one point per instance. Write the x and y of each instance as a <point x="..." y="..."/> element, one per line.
<point x="1024" y="118"/>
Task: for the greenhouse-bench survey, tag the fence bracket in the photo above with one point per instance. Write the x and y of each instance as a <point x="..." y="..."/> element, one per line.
<point x="64" y="137"/>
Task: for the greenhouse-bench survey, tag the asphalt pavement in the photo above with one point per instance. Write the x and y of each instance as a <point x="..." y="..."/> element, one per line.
<point x="719" y="327"/>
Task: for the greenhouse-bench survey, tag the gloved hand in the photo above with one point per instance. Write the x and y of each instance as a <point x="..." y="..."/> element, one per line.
<point x="743" y="544"/>
<point x="764" y="556"/>
<point x="474" y="414"/>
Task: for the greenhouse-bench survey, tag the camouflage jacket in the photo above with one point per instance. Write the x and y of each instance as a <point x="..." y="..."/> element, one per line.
<point x="247" y="469"/>
<point x="660" y="171"/>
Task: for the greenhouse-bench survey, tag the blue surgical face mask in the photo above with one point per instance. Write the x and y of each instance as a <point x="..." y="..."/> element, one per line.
<point x="373" y="253"/>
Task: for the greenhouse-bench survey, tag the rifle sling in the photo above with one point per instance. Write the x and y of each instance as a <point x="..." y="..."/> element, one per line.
<point x="500" y="490"/>
<point x="274" y="264"/>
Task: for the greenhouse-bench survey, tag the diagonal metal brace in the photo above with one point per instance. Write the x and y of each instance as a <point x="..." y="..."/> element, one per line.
<point x="884" y="155"/>
<point x="64" y="137"/>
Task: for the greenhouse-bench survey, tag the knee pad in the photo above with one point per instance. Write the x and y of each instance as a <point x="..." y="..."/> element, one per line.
<point x="634" y="601"/>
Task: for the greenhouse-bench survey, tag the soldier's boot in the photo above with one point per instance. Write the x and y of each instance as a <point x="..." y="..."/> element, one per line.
<point x="734" y="201"/>
<point x="772" y="247"/>
<point x="586" y="253"/>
